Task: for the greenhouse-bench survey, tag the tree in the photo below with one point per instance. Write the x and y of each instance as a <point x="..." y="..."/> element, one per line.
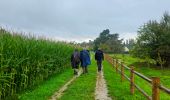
<point x="103" y="37"/>
<point x="153" y="38"/>
<point x="108" y="42"/>
<point x="160" y="60"/>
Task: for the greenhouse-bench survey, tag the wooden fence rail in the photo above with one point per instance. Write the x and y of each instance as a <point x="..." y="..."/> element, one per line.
<point x="155" y="81"/>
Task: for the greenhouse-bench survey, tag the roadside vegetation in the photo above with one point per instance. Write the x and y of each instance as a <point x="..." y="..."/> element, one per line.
<point x="121" y="90"/>
<point x="26" y="61"/>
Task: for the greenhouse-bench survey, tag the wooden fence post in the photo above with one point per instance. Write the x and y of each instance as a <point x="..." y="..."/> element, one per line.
<point x="132" y="87"/>
<point x="113" y="62"/>
<point x="117" y="65"/>
<point x="122" y="72"/>
<point x="155" y="88"/>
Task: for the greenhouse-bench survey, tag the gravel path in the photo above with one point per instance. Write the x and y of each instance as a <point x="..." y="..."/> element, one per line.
<point x="101" y="92"/>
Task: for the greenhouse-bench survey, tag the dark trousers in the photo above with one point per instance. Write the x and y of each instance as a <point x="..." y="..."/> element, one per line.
<point x="85" y="69"/>
<point x="99" y="64"/>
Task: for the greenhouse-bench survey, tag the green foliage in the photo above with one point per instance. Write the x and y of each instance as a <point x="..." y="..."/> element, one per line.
<point x="45" y="90"/>
<point x="149" y="61"/>
<point x="160" y="60"/>
<point x="153" y="37"/>
<point x="26" y="61"/>
<point x="108" y="42"/>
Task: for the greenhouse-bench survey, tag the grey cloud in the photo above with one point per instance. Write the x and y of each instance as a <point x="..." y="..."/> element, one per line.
<point x="73" y="19"/>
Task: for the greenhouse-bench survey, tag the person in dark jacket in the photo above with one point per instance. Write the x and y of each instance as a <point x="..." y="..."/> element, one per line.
<point x="99" y="58"/>
<point x="85" y="60"/>
<point x="75" y="61"/>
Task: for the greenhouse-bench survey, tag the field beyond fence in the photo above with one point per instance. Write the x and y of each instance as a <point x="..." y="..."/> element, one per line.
<point x="154" y="82"/>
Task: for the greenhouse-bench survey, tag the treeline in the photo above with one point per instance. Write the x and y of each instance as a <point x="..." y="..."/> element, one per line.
<point x="26" y="61"/>
<point x="153" y="41"/>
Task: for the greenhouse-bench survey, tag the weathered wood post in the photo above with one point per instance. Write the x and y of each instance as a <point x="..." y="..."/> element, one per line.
<point x="122" y="72"/>
<point x="132" y="87"/>
<point x="116" y="65"/>
<point x="113" y="62"/>
<point x="155" y="88"/>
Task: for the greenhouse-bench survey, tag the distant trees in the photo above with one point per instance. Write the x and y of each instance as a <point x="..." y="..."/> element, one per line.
<point x="153" y="40"/>
<point x="109" y="42"/>
<point x="129" y="43"/>
<point x="88" y="45"/>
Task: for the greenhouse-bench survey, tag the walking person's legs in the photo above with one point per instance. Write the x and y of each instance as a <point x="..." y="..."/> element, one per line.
<point x="83" y="69"/>
<point x="99" y="64"/>
<point x="76" y="66"/>
<point x="86" y="69"/>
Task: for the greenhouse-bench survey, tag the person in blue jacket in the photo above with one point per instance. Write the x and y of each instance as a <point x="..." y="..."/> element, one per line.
<point x="99" y="58"/>
<point x="85" y="60"/>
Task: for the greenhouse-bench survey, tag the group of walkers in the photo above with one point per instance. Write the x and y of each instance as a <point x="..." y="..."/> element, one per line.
<point x="83" y="58"/>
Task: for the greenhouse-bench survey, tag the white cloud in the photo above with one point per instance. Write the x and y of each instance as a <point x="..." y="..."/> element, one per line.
<point x="127" y="35"/>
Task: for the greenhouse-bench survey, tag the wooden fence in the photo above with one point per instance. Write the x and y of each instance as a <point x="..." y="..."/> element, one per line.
<point x="154" y="81"/>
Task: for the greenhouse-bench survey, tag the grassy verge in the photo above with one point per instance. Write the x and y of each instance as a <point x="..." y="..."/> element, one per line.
<point x="118" y="90"/>
<point x="121" y="90"/>
<point x="142" y="67"/>
<point x="82" y="88"/>
<point x="47" y="88"/>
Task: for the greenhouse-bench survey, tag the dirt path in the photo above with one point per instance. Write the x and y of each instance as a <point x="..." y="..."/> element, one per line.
<point x="101" y="92"/>
<point x="59" y="93"/>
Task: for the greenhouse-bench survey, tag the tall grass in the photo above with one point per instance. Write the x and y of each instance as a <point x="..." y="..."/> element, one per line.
<point x="26" y="61"/>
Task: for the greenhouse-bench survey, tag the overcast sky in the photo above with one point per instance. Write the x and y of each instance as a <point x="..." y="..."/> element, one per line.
<point x="79" y="20"/>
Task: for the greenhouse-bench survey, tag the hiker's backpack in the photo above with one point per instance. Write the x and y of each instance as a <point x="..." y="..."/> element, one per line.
<point x="76" y="57"/>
